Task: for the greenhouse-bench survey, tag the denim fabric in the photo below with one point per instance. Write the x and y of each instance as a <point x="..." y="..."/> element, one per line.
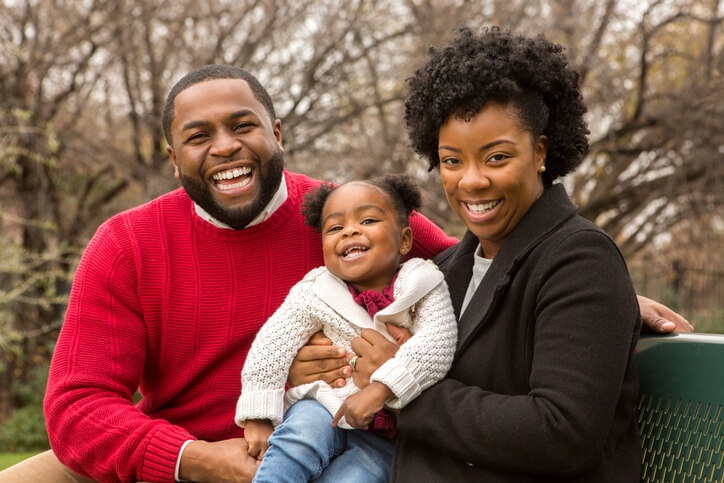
<point x="306" y="447"/>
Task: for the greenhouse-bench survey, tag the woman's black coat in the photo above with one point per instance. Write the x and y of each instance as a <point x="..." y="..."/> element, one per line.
<point x="542" y="386"/>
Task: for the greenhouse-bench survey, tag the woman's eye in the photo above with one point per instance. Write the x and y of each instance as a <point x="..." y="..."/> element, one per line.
<point x="498" y="157"/>
<point x="451" y="161"/>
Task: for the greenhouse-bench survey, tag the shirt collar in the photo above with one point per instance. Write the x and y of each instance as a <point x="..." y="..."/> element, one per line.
<point x="277" y="200"/>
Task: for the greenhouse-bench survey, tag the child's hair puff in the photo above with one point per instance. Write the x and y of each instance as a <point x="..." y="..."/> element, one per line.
<point x="401" y="188"/>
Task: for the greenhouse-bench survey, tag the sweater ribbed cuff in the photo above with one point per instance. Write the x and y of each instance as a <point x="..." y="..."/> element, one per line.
<point x="400" y="381"/>
<point x="161" y="455"/>
<point x="260" y="405"/>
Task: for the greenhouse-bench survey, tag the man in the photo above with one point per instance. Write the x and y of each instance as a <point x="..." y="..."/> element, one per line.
<point x="169" y="295"/>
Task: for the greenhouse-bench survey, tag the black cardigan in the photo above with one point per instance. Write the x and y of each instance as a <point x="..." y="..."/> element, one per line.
<point x="543" y="385"/>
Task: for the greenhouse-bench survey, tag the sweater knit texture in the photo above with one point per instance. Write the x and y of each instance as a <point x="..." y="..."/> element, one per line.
<point x="168" y="304"/>
<point x="323" y="302"/>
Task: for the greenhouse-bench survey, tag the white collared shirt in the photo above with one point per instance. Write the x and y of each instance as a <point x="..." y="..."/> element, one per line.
<point x="277" y="200"/>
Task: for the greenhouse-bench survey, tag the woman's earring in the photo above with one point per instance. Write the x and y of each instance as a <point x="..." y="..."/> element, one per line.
<point x="542" y="168"/>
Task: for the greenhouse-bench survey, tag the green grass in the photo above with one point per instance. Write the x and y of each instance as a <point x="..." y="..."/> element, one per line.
<point x="9" y="459"/>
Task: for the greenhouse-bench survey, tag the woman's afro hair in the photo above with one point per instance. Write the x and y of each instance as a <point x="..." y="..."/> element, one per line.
<point x="529" y="74"/>
<point x="402" y="190"/>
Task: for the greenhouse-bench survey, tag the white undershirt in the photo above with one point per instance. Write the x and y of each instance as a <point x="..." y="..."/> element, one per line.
<point x="480" y="268"/>
<point x="277" y="200"/>
<point x="280" y="196"/>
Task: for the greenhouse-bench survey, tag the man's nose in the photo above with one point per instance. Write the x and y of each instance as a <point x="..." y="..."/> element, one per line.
<point x="225" y="144"/>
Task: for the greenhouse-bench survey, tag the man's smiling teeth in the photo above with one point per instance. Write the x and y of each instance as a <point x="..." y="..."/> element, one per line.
<point x="353" y="252"/>
<point x="231" y="174"/>
<point x="479" y="208"/>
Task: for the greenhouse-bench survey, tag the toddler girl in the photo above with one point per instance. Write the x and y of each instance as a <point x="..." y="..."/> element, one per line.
<point x="365" y="232"/>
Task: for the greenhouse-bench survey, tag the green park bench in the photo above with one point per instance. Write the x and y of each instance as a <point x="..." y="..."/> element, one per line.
<point x="680" y="407"/>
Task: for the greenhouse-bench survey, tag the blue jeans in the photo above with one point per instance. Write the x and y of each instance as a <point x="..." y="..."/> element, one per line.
<point x="306" y="447"/>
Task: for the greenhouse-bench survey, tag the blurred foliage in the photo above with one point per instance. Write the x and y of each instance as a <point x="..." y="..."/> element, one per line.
<point x="25" y="429"/>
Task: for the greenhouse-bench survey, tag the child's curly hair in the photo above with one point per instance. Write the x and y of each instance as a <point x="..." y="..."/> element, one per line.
<point x="402" y="190"/>
<point x="529" y="74"/>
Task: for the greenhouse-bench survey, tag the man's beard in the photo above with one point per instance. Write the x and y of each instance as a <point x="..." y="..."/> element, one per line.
<point x="269" y="176"/>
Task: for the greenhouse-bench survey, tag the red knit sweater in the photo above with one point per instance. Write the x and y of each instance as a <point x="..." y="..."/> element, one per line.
<point x="167" y="303"/>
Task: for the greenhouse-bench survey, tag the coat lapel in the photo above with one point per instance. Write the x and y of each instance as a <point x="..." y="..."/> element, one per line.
<point x="545" y="215"/>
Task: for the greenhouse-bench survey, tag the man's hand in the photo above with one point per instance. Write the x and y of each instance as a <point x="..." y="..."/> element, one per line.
<point x="360" y="408"/>
<point x="319" y="360"/>
<point x="256" y="433"/>
<point x="219" y="462"/>
<point x="660" y="319"/>
<point x="373" y="350"/>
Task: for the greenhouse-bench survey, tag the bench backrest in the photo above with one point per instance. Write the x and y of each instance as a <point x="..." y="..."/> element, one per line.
<point x="680" y="409"/>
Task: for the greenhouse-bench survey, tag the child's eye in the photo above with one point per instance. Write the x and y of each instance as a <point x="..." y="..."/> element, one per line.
<point x="369" y="221"/>
<point x="334" y="228"/>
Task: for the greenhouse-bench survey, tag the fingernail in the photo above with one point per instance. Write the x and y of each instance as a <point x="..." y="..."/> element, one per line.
<point x="341" y="352"/>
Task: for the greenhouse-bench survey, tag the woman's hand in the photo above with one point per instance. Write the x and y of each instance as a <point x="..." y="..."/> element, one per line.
<point x="360" y="408"/>
<point x="661" y="319"/>
<point x="256" y="433"/>
<point x="319" y="360"/>
<point x="373" y="350"/>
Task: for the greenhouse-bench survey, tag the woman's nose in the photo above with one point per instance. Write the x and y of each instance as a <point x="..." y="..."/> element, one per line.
<point x="474" y="178"/>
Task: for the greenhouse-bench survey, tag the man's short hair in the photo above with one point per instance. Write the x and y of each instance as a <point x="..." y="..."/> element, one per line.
<point x="210" y="72"/>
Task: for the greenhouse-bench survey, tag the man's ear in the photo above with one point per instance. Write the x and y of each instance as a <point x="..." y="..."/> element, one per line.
<point x="172" y="155"/>
<point x="277" y="129"/>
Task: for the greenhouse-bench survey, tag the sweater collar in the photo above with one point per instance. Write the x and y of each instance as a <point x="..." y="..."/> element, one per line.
<point x="416" y="278"/>
<point x="280" y="196"/>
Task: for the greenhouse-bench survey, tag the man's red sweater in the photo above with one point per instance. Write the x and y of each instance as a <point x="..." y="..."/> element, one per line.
<point x="167" y="303"/>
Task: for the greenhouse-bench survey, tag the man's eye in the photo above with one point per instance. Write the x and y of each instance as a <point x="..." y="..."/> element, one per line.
<point x="196" y="137"/>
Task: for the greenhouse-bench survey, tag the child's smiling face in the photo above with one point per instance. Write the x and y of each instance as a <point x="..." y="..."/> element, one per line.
<point x="362" y="236"/>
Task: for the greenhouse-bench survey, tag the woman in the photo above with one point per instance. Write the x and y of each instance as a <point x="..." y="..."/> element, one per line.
<point x="543" y="385"/>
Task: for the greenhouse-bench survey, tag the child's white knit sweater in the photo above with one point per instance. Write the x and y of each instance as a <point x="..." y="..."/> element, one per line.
<point x="322" y="301"/>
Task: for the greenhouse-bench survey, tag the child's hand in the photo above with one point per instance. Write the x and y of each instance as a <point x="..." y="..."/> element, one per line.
<point x="400" y="334"/>
<point x="360" y="408"/>
<point x="256" y="433"/>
